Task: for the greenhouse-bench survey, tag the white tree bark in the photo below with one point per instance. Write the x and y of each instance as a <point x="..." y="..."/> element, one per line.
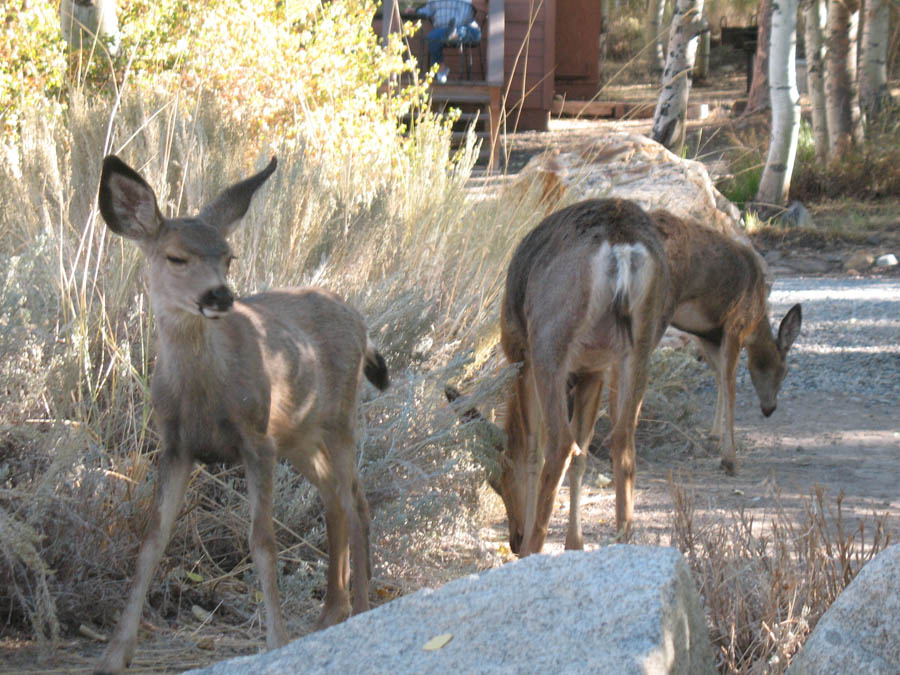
<point x="785" y="99"/>
<point x="841" y="92"/>
<point x="604" y="28"/>
<point x="671" y="107"/>
<point x="657" y="40"/>
<point x="874" y="93"/>
<point x="814" y="30"/>
<point x="81" y="24"/>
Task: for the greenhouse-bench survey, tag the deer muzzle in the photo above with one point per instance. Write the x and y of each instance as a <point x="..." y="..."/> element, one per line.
<point x="216" y="302"/>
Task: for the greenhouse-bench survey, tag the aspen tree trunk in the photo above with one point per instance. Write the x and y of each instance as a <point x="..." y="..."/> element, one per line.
<point x="841" y="93"/>
<point x="604" y="28"/>
<point x="671" y="107"/>
<point x="758" y="96"/>
<point x="785" y="99"/>
<point x="874" y="94"/>
<point x="814" y="29"/>
<point x="657" y="41"/>
<point x="83" y="23"/>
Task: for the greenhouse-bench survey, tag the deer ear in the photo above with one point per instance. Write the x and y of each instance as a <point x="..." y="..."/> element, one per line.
<point x="789" y="328"/>
<point x="229" y="207"/>
<point x="127" y="202"/>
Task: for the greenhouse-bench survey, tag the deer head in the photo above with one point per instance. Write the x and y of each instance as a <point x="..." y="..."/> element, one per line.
<point x="188" y="257"/>
<point x="767" y="358"/>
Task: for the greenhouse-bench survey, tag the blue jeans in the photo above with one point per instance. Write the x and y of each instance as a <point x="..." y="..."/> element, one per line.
<point x="470" y="34"/>
<point x="435" y="41"/>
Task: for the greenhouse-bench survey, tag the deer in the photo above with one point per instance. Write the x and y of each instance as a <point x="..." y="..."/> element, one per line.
<point x="719" y="293"/>
<point x="247" y="381"/>
<point x="713" y="286"/>
<point x="585" y="291"/>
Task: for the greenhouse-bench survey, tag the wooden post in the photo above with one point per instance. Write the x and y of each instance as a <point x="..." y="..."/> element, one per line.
<point x="390" y="19"/>
<point x="495" y="72"/>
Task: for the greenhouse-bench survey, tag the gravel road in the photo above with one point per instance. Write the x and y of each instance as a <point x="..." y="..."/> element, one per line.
<point x="850" y="342"/>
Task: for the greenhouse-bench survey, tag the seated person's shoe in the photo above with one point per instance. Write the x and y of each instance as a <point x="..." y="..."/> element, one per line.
<point x="442" y="74"/>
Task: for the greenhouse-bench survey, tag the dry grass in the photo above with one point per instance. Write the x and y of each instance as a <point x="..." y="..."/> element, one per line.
<point x="766" y="581"/>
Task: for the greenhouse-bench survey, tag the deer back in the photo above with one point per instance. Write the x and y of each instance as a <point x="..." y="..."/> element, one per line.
<point x="714" y="279"/>
<point x="558" y="267"/>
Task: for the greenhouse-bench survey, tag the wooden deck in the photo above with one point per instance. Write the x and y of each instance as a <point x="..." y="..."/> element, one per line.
<point x="483" y="96"/>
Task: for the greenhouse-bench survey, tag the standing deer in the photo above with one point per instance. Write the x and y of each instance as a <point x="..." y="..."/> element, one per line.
<point x="585" y="290"/>
<point x="718" y="293"/>
<point x="274" y="375"/>
<point x="713" y="287"/>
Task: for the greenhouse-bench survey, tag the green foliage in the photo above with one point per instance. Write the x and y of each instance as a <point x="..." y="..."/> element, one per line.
<point x="741" y="186"/>
<point x="32" y="62"/>
<point x="320" y="79"/>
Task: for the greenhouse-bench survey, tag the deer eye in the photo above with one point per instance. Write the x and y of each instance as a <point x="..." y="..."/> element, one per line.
<point x="175" y="260"/>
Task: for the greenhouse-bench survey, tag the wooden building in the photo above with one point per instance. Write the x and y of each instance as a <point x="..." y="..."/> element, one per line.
<point x="531" y="51"/>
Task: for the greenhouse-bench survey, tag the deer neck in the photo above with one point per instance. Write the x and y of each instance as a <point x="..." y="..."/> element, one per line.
<point x="187" y="347"/>
<point x="760" y="343"/>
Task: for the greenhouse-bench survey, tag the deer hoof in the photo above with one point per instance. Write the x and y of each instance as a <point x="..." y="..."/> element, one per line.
<point x="332" y="615"/>
<point x="729" y="465"/>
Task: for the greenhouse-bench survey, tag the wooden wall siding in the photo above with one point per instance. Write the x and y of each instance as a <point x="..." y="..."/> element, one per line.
<point x="535" y="60"/>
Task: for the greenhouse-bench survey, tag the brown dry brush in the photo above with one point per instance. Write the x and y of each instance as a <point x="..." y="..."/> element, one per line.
<point x="765" y="582"/>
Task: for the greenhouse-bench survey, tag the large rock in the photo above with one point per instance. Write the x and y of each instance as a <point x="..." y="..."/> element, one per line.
<point x="631" y="166"/>
<point x="860" y="632"/>
<point x="622" y="609"/>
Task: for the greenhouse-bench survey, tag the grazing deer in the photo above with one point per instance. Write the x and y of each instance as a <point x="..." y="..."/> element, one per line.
<point x="274" y="375"/>
<point x="585" y="290"/>
<point x="718" y="293"/>
<point x="715" y="288"/>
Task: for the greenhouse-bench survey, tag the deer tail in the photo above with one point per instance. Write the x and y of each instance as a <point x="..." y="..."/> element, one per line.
<point x="633" y="272"/>
<point x="375" y="369"/>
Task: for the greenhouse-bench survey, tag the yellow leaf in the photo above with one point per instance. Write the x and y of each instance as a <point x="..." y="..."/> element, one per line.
<point x="193" y="576"/>
<point x="259" y="596"/>
<point x="503" y="549"/>
<point x="437" y="642"/>
<point x="206" y="643"/>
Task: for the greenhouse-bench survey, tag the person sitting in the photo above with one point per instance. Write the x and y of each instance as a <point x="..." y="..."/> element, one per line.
<point x="453" y="21"/>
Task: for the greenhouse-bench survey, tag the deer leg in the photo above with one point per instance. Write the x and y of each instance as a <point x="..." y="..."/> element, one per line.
<point x="315" y="465"/>
<point x="341" y="443"/>
<point x="535" y="433"/>
<point x="260" y="470"/>
<point x="586" y="397"/>
<point x="631" y="382"/>
<point x="712" y="354"/>
<point x="174" y="473"/>
<point x="337" y="595"/>
<point x="731" y="351"/>
<point x="360" y="552"/>
<point x="559" y="447"/>
<point x="613" y="394"/>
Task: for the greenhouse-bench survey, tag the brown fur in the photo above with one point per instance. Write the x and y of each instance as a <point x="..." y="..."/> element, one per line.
<point x="568" y="313"/>
<point x="718" y="292"/>
<point x="275" y="375"/>
<point x="712" y="286"/>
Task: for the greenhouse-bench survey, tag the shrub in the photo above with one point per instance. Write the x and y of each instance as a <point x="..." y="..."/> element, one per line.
<point x="867" y="172"/>
<point x="766" y="581"/>
<point x="76" y="448"/>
